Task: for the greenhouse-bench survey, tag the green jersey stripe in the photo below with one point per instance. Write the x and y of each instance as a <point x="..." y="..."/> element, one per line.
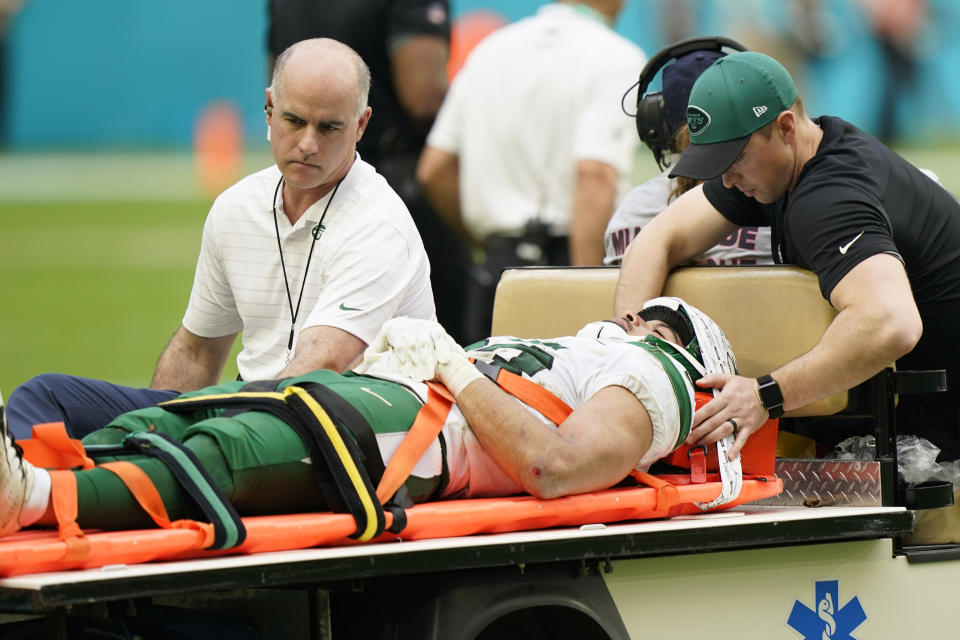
<point x="682" y="387"/>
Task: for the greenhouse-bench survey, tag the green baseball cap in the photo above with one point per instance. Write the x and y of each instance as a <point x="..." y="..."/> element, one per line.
<point x="731" y="99"/>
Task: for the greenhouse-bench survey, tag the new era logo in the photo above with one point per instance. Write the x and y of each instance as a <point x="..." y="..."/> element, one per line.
<point x="759" y="111"/>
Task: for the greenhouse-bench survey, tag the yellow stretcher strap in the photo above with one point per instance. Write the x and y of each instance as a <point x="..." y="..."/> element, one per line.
<point x="347" y="474"/>
<point x="340" y="476"/>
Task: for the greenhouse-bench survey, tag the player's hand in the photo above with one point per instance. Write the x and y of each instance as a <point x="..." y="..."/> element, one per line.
<point x="409" y="347"/>
<point x="736" y="409"/>
<point x="420" y="350"/>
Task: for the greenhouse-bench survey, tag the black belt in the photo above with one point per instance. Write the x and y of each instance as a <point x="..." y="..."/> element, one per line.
<point x="508" y="251"/>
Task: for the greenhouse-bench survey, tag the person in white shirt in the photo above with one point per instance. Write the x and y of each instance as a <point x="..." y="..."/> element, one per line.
<point x="305" y="259"/>
<point x="530" y="151"/>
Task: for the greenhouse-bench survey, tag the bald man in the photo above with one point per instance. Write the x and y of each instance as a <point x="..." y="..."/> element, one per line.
<point x="306" y="258"/>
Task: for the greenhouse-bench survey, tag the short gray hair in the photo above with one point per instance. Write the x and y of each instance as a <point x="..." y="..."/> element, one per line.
<point x="361" y="70"/>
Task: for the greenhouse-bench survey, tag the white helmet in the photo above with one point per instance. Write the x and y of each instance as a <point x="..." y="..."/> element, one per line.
<point x="704" y="339"/>
<point x="701" y="336"/>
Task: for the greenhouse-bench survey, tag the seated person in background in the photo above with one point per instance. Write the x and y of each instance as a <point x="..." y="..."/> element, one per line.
<point x="747" y="245"/>
<point x="629" y="382"/>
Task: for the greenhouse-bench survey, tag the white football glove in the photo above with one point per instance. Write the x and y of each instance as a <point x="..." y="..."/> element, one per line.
<point x="420" y="350"/>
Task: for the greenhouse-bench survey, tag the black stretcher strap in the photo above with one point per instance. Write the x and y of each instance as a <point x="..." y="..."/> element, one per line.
<point x="344" y="451"/>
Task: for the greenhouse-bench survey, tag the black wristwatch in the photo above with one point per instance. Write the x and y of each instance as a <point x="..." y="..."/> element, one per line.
<point x="770" y="396"/>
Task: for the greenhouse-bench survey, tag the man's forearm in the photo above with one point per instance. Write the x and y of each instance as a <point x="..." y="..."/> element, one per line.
<point x="594" y="198"/>
<point x="586" y="237"/>
<point x="519" y="443"/>
<point x="438" y="173"/>
<point x="852" y="350"/>
<point x="323" y="347"/>
<point x="878" y="323"/>
<point x="595" y="447"/>
<point x="686" y="228"/>
<point x="177" y="371"/>
<point x="190" y="362"/>
<point x="643" y="273"/>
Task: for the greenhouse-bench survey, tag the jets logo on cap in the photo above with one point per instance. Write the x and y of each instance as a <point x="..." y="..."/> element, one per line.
<point x="697" y="120"/>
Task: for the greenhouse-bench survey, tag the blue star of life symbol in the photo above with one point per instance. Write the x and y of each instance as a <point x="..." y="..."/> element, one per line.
<point x="827" y="622"/>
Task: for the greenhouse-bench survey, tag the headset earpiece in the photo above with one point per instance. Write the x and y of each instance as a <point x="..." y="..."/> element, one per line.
<point x="655" y="132"/>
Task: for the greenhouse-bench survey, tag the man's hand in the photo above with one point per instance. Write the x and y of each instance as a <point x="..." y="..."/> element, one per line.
<point x="739" y="401"/>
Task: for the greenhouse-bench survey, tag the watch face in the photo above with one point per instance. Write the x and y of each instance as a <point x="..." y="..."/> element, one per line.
<point x="770" y="394"/>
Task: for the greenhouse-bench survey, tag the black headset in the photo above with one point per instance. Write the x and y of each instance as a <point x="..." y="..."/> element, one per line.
<point x="651" y="116"/>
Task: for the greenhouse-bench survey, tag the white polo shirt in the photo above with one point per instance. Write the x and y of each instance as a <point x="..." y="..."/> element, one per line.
<point x="532" y="99"/>
<point x="368" y="266"/>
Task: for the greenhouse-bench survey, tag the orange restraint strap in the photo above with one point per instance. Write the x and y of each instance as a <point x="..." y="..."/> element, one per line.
<point x="145" y="493"/>
<point x="431" y="417"/>
<point x="533" y="395"/>
<point x="426" y="427"/>
<point x="667" y="494"/>
<point x="63" y="495"/>
<point x="51" y="448"/>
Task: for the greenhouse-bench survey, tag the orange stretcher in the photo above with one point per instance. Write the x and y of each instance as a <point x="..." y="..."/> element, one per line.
<point x="38" y="551"/>
<point x="660" y="496"/>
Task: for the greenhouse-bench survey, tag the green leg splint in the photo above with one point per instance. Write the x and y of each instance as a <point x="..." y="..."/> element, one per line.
<point x="341" y="444"/>
<point x="186" y="468"/>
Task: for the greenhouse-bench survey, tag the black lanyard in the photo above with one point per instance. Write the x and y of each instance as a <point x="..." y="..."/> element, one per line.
<point x="316" y="234"/>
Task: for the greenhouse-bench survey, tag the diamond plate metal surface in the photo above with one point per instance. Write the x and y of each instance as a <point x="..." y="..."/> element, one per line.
<point x="814" y="482"/>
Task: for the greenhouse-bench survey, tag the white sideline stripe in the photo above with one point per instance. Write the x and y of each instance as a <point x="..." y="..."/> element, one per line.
<point x="106" y="176"/>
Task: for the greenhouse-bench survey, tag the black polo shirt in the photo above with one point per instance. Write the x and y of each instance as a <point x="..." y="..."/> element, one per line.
<point x="854" y="199"/>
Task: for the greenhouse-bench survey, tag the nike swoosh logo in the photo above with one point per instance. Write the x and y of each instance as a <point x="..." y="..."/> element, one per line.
<point x="344" y="307"/>
<point x="845" y="247"/>
<point x="385" y="401"/>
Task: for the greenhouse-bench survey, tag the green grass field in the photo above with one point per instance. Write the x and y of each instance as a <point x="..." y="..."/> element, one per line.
<point x="94" y="288"/>
<point x="97" y="257"/>
<point x="97" y="254"/>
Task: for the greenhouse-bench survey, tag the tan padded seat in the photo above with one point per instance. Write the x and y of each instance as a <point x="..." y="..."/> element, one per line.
<point x="770" y="314"/>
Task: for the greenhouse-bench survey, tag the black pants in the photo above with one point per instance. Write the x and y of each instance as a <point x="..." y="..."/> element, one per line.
<point x="935" y="416"/>
<point x="501" y="252"/>
<point x="449" y="256"/>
